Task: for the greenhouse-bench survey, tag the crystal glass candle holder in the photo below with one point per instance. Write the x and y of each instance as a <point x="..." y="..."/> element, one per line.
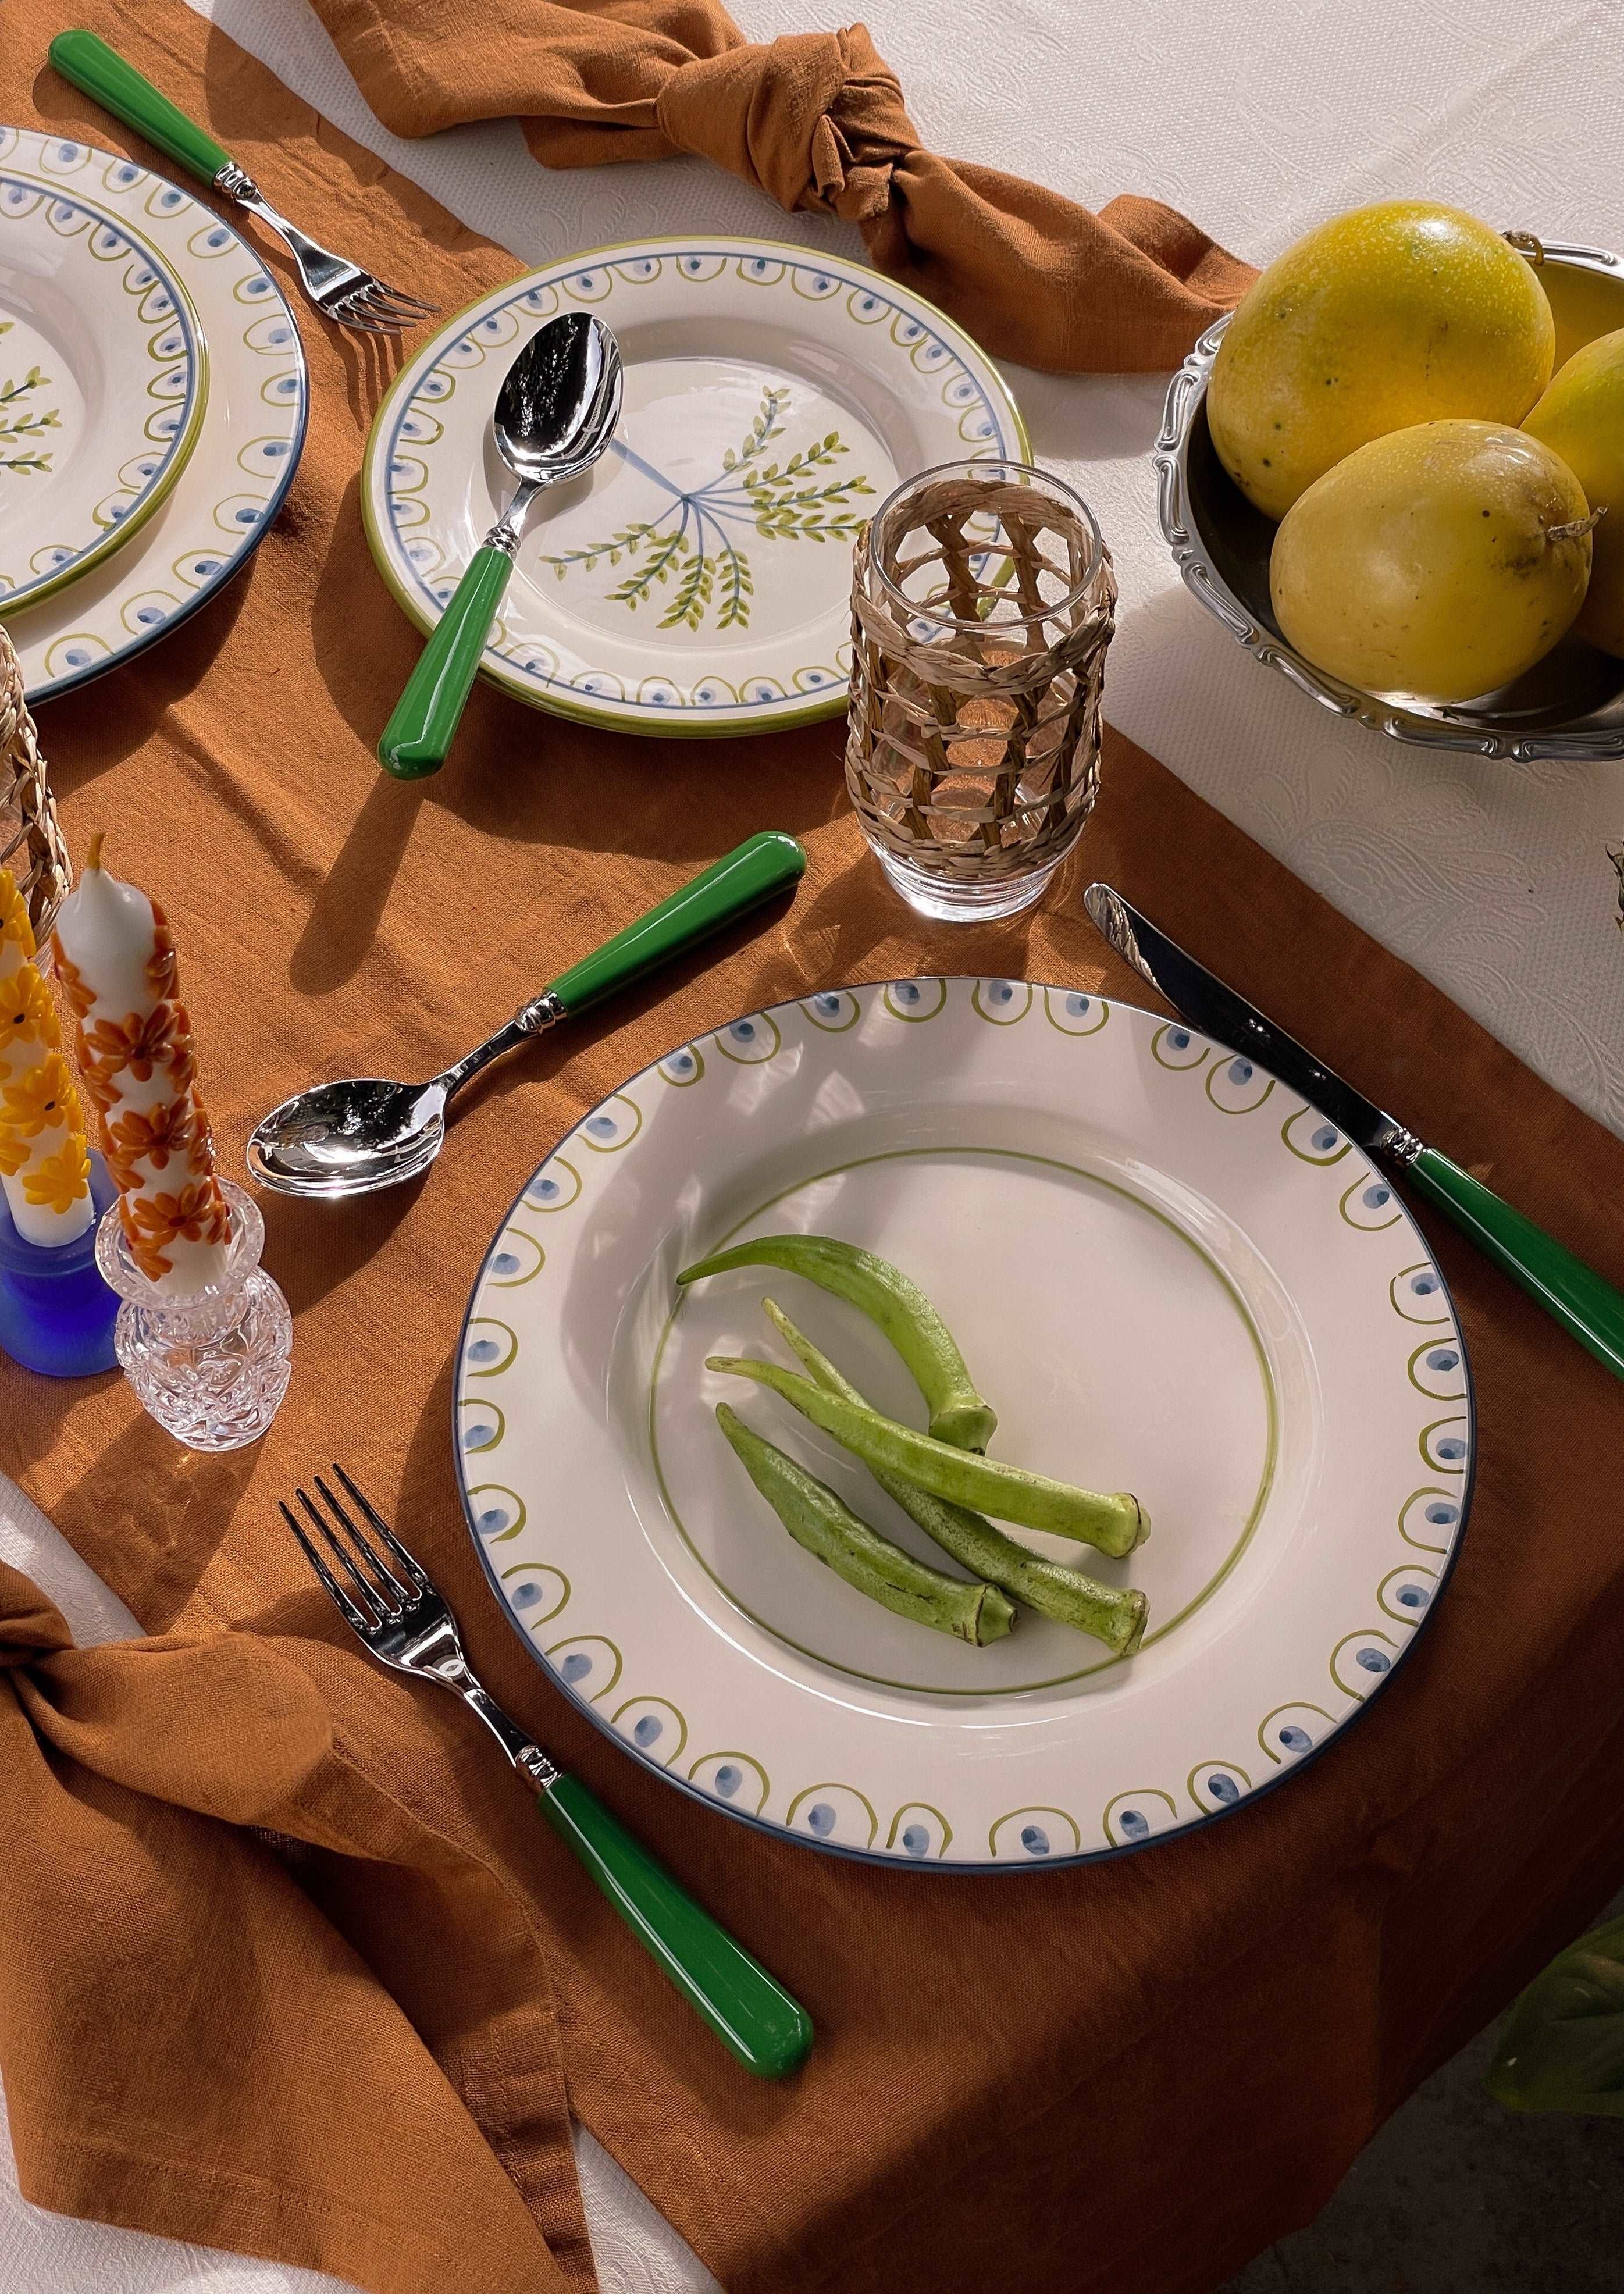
<point x="213" y="1367"/>
<point x="983" y="601"/>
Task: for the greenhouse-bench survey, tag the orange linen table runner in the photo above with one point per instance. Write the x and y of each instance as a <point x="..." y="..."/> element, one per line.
<point x="355" y="2043"/>
<point x="815" y="120"/>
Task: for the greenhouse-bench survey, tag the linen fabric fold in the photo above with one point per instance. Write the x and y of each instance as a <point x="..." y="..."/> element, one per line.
<point x="1182" y="2049"/>
<point x="817" y="121"/>
<point x="187" y="2038"/>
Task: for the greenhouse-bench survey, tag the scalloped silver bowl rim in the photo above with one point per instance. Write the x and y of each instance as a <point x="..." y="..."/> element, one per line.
<point x="1440" y="728"/>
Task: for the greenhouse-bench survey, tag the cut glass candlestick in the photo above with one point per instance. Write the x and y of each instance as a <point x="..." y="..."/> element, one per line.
<point x="211" y="1368"/>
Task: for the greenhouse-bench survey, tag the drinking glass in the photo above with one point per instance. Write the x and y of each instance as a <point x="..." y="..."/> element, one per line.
<point x="983" y="601"/>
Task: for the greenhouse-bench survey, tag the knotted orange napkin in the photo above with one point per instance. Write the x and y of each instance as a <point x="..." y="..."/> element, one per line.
<point x="816" y="121"/>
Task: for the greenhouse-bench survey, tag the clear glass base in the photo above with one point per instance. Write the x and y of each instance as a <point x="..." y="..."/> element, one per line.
<point x="947" y="902"/>
<point x="211" y="1368"/>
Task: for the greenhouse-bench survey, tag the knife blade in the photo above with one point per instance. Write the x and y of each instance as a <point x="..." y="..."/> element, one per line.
<point x="1585" y="1304"/>
<point x="1203" y="999"/>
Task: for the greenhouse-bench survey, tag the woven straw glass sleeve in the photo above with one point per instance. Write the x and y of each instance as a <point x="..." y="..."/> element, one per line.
<point x="983" y="602"/>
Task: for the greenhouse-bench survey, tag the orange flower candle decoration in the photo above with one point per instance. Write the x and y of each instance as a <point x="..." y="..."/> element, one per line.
<point x="45" y="1168"/>
<point x="115" y="961"/>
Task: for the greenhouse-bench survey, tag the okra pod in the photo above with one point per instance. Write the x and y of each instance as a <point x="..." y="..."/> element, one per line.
<point x="817" y="1518"/>
<point x="1115" y="1524"/>
<point x="1115" y="1615"/>
<point x="958" y="1415"/>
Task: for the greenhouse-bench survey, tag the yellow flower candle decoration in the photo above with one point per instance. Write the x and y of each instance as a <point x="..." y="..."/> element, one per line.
<point x="45" y="1168"/>
<point x="115" y="961"/>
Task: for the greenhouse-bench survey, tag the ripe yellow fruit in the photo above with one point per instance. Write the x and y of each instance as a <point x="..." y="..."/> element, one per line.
<point x="1581" y="418"/>
<point x="1394" y="314"/>
<point x="1440" y="561"/>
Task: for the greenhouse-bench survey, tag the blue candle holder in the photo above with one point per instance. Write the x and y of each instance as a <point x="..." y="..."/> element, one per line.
<point x="56" y="1311"/>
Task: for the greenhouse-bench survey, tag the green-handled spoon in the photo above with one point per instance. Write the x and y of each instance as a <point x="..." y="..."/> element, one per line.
<point x="352" y="1137"/>
<point x="555" y="414"/>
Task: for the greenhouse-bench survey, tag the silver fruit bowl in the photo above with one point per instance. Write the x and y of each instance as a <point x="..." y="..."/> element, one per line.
<point x="1570" y="705"/>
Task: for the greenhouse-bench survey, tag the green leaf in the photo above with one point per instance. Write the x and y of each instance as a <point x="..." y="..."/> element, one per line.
<point x="1561" y="2047"/>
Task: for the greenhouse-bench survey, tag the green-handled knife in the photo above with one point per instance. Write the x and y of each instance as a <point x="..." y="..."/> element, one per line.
<point x="1588" y="1307"/>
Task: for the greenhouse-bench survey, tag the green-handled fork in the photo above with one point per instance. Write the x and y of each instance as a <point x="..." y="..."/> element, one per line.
<point x="389" y="1600"/>
<point x="341" y="290"/>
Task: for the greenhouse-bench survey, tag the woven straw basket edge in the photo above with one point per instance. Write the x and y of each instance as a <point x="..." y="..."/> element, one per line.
<point x="31" y="842"/>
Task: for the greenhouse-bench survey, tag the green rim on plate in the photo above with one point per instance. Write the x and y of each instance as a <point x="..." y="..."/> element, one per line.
<point x="139" y="326"/>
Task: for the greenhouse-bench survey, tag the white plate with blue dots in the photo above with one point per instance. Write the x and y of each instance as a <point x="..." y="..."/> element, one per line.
<point x="247" y="446"/>
<point x="698" y="579"/>
<point x="1167" y="1273"/>
<point x="103" y="381"/>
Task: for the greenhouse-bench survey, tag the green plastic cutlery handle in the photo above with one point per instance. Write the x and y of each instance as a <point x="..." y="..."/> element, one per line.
<point x="429" y="713"/>
<point x="752" y="2013"/>
<point x="1574" y="1294"/>
<point x="729" y="888"/>
<point x="103" y="72"/>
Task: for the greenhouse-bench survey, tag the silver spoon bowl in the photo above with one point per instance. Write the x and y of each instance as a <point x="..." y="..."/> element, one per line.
<point x="364" y="1132"/>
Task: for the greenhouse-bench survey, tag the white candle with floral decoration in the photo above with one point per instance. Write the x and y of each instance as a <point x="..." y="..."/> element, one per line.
<point x="115" y="961"/>
<point x="44" y="1169"/>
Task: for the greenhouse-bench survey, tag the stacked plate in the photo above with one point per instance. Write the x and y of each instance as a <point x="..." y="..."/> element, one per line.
<point x="152" y="406"/>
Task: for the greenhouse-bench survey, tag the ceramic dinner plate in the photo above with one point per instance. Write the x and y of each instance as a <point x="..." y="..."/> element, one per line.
<point x="697" y="579"/>
<point x="247" y="445"/>
<point x="103" y="377"/>
<point x="1167" y="1273"/>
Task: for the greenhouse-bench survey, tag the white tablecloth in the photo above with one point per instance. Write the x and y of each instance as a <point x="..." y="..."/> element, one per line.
<point x="1257" y="118"/>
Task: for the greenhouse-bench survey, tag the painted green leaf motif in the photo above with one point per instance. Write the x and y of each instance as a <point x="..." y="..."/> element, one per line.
<point x="690" y="550"/>
<point x="15" y="429"/>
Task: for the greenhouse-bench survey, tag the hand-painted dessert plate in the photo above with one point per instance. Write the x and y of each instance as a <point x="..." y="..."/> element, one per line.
<point x="1167" y="1273"/>
<point x="247" y="447"/>
<point x="103" y="379"/>
<point x="698" y="579"/>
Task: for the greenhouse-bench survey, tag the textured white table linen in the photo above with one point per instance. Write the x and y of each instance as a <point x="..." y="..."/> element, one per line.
<point x="1256" y="117"/>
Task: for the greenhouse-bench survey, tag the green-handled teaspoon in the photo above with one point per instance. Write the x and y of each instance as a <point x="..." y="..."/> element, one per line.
<point x="556" y="412"/>
<point x="352" y="1137"/>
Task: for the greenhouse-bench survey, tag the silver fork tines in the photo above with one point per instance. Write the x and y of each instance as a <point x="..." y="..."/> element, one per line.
<point x="395" y="1607"/>
<point x="340" y="290"/>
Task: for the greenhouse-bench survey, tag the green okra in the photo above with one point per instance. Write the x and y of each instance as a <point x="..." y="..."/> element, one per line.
<point x="817" y="1518"/>
<point x="958" y="1415"/>
<point x="1115" y="1615"/>
<point x="1115" y="1523"/>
